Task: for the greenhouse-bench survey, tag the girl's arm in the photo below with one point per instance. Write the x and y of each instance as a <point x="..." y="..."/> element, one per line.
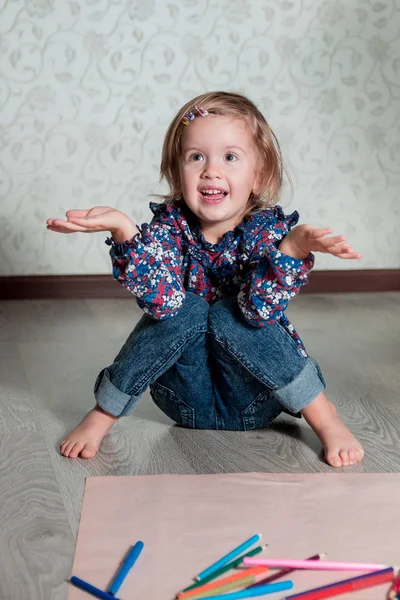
<point x="147" y="262"/>
<point x="280" y="263"/>
<point x="149" y="266"/>
<point x="272" y="281"/>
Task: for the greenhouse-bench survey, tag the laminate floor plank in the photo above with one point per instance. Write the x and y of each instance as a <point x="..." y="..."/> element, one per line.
<point x="36" y="542"/>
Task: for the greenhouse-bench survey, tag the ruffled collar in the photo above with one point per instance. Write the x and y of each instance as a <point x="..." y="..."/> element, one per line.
<point x="182" y="221"/>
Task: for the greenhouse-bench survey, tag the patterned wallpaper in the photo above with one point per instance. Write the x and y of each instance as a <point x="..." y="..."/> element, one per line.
<point x="88" y="87"/>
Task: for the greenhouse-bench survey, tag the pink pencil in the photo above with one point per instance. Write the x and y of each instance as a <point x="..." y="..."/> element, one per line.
<point x="321" y="565"/>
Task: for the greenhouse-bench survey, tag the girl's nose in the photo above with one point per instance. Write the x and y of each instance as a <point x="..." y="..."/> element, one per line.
<point x="212" y="170"/>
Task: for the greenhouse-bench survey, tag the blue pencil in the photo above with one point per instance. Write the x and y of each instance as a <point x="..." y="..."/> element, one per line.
<point x="90" y="589"/>
<point x="125" y="568"/>
<point x="228" y="557"/>
<point x="253" y="592"/>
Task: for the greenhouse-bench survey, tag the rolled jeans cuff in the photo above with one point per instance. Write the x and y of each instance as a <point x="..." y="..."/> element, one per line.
<point x="111" y="399"/>
<point x="297" y="394"/>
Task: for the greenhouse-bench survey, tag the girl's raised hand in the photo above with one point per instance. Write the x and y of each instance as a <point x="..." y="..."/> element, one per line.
<point x="303" y="239"/>
<point x="99" y="218"/>
<point x="336" y="245"/>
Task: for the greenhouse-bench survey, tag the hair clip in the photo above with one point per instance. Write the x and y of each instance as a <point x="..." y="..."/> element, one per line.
<point x="190" y="115"/>
<point x="202" y="111"/>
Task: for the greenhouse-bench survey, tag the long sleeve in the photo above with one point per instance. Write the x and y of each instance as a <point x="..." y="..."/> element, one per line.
<point x="273" y="278"/>
<point x="149" y="266"/>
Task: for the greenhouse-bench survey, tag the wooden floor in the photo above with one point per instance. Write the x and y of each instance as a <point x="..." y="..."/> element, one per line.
<point x="51" y="352"/>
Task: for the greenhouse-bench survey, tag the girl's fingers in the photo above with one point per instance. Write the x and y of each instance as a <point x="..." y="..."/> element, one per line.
<point x="351" y="255"/>
<point x="89" y="223"/>
<point x="338" y="246"/>
<point x="318" y="233"/>
<point x="58" y="229"/>
<point x="77" y="212"/>
<point x="65" y="226"/>
<point x="337" y="239"/>
<point x="339" y="249"/>
<point x="328" y="243"/>
<point x="343" y="251"/>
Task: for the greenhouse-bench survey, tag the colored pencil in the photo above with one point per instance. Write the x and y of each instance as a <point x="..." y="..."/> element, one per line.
<point x="237" y="579"/>
<point x="271" y="588"/>
<point x="284" y="572"/>
<point x="346" y="585"/>
<point x="126" y="566"/>
<point x="319" y="565"/>
<point x="90" y="589"/>
<point x="395" y="587"/>
<point x="228" y="557"/>
<point x="223" y="589"/>
<point x="232" y="565"/>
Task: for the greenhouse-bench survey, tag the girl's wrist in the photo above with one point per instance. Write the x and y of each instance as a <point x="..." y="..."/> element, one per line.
<point x="287" y="247"/>
<point x="124" y="233"/>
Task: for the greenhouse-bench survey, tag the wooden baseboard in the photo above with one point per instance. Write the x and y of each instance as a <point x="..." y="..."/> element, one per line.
<point x="21" y="287"/>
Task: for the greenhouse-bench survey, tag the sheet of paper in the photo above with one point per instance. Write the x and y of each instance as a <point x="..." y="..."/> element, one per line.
<point x="187" y="522"/>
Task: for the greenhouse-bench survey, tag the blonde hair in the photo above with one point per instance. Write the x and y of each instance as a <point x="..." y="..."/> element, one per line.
<point x="237" y="106"/>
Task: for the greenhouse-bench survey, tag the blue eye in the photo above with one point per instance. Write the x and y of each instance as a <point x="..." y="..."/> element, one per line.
<point x="233" y="156"/>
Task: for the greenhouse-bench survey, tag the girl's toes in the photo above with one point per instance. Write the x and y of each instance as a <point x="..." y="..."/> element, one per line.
<point x="89" y="451"/>
<point x="333" y="458"/>
<point x="67" y="447"/>
<point x="74" y="453"/>
<point x="358" y="454"/>
<point x="352" y="457"/>
<point x="344" y="455"/>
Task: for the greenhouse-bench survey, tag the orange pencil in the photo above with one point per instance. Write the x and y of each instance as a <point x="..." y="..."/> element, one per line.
<point x="215" y="584"/>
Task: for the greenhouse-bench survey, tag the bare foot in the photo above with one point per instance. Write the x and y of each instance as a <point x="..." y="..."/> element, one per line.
<point x="340" y="446"/>
<point x="84" y="440"/>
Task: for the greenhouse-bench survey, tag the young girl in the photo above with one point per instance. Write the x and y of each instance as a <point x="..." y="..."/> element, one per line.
<point x="213" y="273"/>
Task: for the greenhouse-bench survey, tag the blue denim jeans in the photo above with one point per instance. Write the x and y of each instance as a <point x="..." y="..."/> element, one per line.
<point x="207" y="368"/>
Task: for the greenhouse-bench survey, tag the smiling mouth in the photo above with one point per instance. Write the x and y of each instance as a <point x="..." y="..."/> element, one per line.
<point x="213" y="196"/>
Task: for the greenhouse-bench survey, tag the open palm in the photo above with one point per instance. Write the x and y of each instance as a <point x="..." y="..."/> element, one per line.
<point x="307" y="238"/>
<point x="99" y="218"/>
<point x="318" y="241"/>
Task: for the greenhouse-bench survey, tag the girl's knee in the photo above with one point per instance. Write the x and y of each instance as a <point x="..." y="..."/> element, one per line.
<point x="195" y="309"/>
<point x="229" y="327"/>
<point x="223" y="313"/>
<point x="193" y="312"/>
<point x="192" y="300"/>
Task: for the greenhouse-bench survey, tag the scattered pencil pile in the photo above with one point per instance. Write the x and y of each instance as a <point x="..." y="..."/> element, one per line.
<point x="252" y="582"/>
<point x="250" y="578"/>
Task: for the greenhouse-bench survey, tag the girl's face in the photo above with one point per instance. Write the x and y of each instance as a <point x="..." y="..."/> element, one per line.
<point x="218" y="171"/>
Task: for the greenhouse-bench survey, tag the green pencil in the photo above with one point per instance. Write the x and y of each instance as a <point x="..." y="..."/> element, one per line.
<point x="232" y="565"/>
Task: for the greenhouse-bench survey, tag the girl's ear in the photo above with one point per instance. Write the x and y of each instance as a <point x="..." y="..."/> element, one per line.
<point x="177" y="184"/>
<point x="257" y="185"/>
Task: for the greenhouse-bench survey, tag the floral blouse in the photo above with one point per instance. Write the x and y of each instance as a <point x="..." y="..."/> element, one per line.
<point x="171" y="255"/>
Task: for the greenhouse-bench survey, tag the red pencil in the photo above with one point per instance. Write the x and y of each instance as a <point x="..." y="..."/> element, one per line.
<point x="346" y="585"/>
<point x="395" y="587"/>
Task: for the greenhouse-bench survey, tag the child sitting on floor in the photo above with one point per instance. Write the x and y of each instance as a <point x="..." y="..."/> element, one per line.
<point x="213" y="273"/>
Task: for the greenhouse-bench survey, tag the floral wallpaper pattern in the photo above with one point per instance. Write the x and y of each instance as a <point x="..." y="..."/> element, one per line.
<point x="87" y="89"/>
